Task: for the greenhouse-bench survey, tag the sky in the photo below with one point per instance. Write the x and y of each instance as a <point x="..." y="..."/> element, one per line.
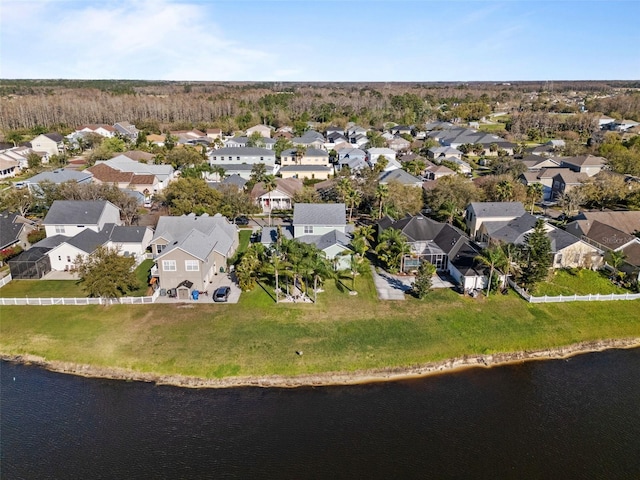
<point x="321" y="40"/>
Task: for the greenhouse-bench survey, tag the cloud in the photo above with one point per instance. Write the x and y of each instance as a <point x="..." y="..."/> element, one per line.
<point x="142" y="39"/>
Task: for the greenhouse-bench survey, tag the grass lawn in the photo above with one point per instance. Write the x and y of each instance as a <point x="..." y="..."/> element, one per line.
<point x="578" y="282"/>
<point x="341" y="332"/>
<point x="66" y="288"/>
<point x="492" y="127"/>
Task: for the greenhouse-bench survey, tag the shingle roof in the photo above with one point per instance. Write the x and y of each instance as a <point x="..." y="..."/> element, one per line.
<point x="585" y="161"/>
<point x="497" y="209"/>
<point x="242" y="151"/>
<point x="126" y="234"/>
<point x="627" y="221"/>
<point x="334" y="237"/>
<point x="399" y="175"/>
<point x="511" y="231"/>
<point x="76" y="212"/>
<point x="289" y="186"/>
<point x="88" y="240"/>
<point x="59" y="176"/>
<point x="319" y="214"/>
<point x="9" y="229"/>
<point x="305" y="168"/>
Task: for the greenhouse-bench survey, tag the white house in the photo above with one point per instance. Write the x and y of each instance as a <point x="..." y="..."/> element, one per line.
<point x="70" y="217"/>
<point x="50" y="143"/>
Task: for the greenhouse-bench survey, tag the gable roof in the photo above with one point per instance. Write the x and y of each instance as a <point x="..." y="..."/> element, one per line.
<point x="400" y="176"/>
<point x="497" y="209"/>
<point x="319" y="214"/>
<point x="9" y="229"/>
<point x="329" y="239"/>
<point x="626" y="221"/>
<point x="60" y="175"/>
<point x="585" y="161"/>
<point x="76" y="212"/>
<point x="288" y="186"/>
<point x="511" y="231"/>
<point x="196" y="235"/>
<point x="244" y="151"/>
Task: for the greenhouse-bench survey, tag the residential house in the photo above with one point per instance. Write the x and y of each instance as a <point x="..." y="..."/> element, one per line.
<point x="139" y="156"/>
<point x="190" y="250"/>
<point x="240" y="155"/>
<point x="354" y="158"/>
<point x="440" y="244"/>
<point x="164" y="173"/>
<point x="142" y="183"/>
<point x="444" y="152"/>
<point x="8" y="166"/>
<point x="478" y="212"/>
<point x="588" y="164"/>
<point x="401" y="130"/>
<point x="13" y="230"/>
<point x="57" y="177"/>
<point x="310" y="139"/>
<point x="373" y="154"/>
<point x="243" y="142"/>
<point x="568" y="250"/>
<point x="263" y="130"/>
<point x="103" y="130"/>
<point x="434" y="172"/>
<point x="126" y="130"/>
<point x="279" y="199"/>
<point x="318" y="218"/>
<point x="400" y="176"/>
<point x="70" y="217"/>
<point x="325" y="226"/>
<point x="190" y="137"/>
<point x="353" y="130"/>
<point x="626" y="221"/>
<point x="214" y="133"/>
<point x="129" y="241"/>
<point x="537" y="162"/>
<point x="50" y="143"/>
<point x="313" y="163"/>
<point x="565" y="181"/>
<point x="399" y="144"/>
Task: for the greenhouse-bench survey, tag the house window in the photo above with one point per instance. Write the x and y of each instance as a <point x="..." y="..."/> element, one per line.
<point x="169" y="265"/>
<point x="60" y="229"/>
<point x="59" y="258"/>
<point x="215" y="158"/>
<point x="230" y="158"/>
<point x="308" y="229"/>
<point x="159" y="248"/>
<point x="238" y="158"/>
<point x="262" y="159"/>
<point x="191" y="265"/>
<point x="68" y="259"/>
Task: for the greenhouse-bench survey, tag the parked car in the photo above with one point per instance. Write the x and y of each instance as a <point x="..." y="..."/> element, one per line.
<point x="241" y="221"/>
<point x="221" y="294"/>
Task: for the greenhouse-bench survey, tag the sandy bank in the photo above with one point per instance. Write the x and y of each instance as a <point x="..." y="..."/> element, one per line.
<point x="330" y="378"/>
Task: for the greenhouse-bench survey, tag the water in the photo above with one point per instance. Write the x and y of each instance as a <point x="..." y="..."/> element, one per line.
<point x="545" y="420"/>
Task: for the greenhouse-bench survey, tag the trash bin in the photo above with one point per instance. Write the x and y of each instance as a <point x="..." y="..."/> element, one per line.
<point x="195" y="294"/>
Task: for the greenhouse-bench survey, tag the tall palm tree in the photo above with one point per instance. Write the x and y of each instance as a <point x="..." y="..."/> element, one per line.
<point x="270" y="185"/>
<point x="534" y="192"/>
<point x="392" y="246"/>
<point x="449" y="209"/>
<point x="301" y="151"/>
<point x="504" y="190"/>
<point x="353" y="198"/>
<point x="382" y="193"/>
<point x="491" y="257"/>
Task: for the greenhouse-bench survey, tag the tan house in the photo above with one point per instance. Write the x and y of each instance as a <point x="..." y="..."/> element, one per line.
<point x="311" y="163"/>
<point x="190" y="250"/>
<point x="50" y="143"/>
<point x="279" y="199"/>
<point x="143" y="183"/>
<point x="263" y="130"/>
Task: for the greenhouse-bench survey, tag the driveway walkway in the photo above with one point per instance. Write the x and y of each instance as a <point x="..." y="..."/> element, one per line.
<point x="390" y="287"/>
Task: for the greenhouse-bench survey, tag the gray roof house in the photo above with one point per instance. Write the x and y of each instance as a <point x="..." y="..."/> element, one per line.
<point x="479" y="212"/>
<point x="400" y="176"/>
<point x="334" y="244"/>
<point x="58" y="176"/>
<point x="239" y="155"/>
<point x="318" y="218"/>
<point x="13" y="229"/>
<point x="130" y="241"/>
<point x="192" y="249"/>
<point x="70" y="217"/>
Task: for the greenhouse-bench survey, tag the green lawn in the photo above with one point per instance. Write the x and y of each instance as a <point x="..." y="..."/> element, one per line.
<point x="577" y="282"/>
<point x="66" y="288"/>
<point x="492" y="127"/>
<point x="340" y="333"/>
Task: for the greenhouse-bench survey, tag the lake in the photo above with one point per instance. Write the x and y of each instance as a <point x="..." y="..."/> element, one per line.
<point x="576" y="418"/>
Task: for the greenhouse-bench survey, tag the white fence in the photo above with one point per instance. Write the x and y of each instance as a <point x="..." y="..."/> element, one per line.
<point x="5" y="280"/>
<point x="597" y="297"/>
<point x="81" y="301"/>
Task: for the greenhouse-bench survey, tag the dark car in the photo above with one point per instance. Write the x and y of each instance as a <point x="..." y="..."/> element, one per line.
<point x="221" y="294"/>
<point x="241" y="221"/>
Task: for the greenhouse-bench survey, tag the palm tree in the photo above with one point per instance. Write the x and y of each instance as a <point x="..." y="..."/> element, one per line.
<point x="616" y="259"/>
<point x="504" y="190"/>
<point x="449" y="209"/>
<point x="366" y="232"/>
<point x="270" y="185"/>
<point x="343" y="187"/>
<point x="353" y="198"/>
<point x="301" y="151"/>
<point x="491" y="256"/>
<point x="534" y="192"/>
<point x="392" y="246"/>
<point x="382" y="193"/>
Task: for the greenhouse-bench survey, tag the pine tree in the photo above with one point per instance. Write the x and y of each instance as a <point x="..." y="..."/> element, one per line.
<point x="536" y="256"/>
<point x="422" y="284"/>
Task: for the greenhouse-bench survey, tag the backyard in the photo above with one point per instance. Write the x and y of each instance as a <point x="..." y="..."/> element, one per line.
<point x="339" y="333"/>
<point x="578" y="282"/>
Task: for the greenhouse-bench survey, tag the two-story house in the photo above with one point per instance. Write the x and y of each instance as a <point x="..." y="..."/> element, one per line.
<point x="479" y="212"/>
<point x="70" y="217"/>
<point x="301" y="163"/>
<point x="189" y="250"/>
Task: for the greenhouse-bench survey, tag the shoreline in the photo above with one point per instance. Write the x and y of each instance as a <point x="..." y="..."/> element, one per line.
<point x="330" y="378"/>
